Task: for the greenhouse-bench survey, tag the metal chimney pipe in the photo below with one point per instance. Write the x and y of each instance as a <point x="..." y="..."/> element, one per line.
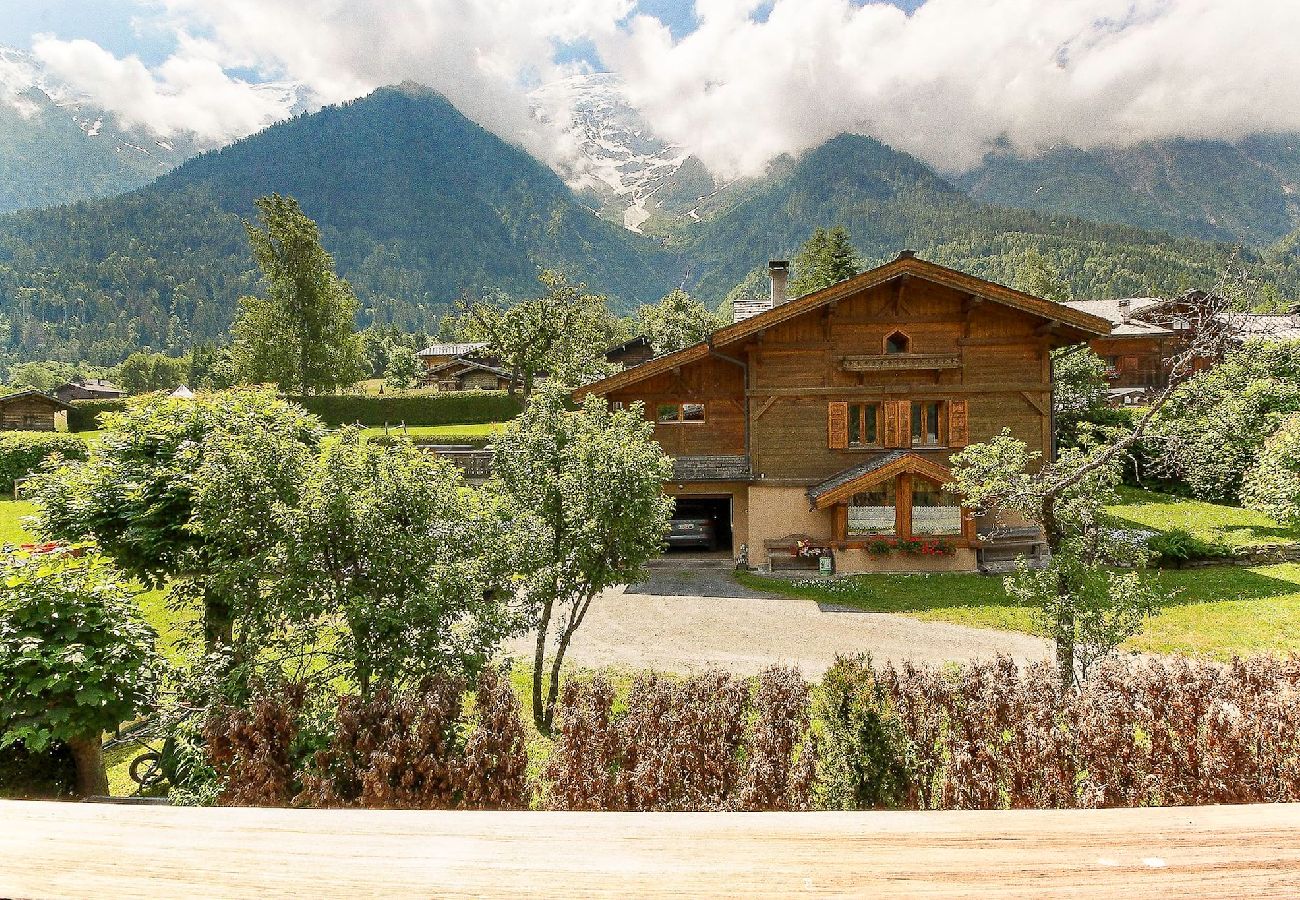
<point x="779" y="271"/>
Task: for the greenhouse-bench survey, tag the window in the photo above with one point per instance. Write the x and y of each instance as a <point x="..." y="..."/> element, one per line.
<point x="873" y="511"/>
<point x="678" y="413"/>
<point x="897" y="343"/>
<point x="934" y="511"/>
<point x="864" y="425"/>
<point x="927" y="423"/>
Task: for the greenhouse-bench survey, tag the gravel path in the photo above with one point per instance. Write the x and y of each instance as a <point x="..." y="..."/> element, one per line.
<point x="685" y="620"/>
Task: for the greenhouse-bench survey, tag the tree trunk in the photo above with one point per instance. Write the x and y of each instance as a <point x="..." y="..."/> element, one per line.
<point x="539" y="664"/>
<point x="218" y="622"/>
<point x="88" y="754"/>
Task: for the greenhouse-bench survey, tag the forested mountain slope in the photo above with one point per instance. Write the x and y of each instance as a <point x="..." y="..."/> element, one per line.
<point x="889" y="200"/>
<point x="417" y="203"/>
<point x="1245" y="192"/>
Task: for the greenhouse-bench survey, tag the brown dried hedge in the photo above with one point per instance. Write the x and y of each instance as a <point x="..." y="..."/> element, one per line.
<point x="980" y="736"/>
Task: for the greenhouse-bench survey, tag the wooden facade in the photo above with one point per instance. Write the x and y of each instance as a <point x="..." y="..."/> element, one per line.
<point x="30" y="411"/>
<point x="873" y="382"/>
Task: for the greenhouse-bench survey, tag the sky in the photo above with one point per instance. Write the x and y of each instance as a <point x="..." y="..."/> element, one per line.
<point x="737" y="82"/>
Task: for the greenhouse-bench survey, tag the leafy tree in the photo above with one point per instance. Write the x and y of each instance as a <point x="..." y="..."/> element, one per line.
<point x="213" y="368"/>
<point x="142" y="372"/>
<point x="301" y="335"/>
<point x="43" y="376"/>
<point x="183" y="490"/>
<point x="563" y="332"/>
<point x="826" y="258"/>
<point x="1272" y="484"/>
<point x="584" y="491"/>
<point x="1038" y="276"/>
<point x="1079" y="393"/>
<point x="389" y="541"/>
<point x="1217" y="422"/>
<point x="675" y="322"/>
<point x="76" y="659"/>
<point x="1087" y="610"/>
<point x="403" y="368"/>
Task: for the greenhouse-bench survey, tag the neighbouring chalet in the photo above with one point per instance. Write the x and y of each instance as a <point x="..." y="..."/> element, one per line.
<point x="467" y="374"/>
<point x="829" y="421"/>
<point x="88" y="389"/>
<point x="630" y="353"/>
<point x="436" y="355"/>
<point x="30" y="410"/>
<point x="1147" y="332"/>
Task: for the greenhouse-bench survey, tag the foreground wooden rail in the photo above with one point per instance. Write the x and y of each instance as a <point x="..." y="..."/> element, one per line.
<point x="82" y="850"/>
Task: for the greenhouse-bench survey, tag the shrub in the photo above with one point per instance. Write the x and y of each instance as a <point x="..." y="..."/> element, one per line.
<point x="705" y="742"/>
<point x="84" y="414"/>
<point x="23" y="452"/>
<point x="76" y="659"/>
<point x="1178" y="545"/>
<point x="450" y="408"/>
<point x="862" y="748"/>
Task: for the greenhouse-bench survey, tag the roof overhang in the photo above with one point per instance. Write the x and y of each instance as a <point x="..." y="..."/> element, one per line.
<point x="1070" y="325"/>
<point x="841" y="487"/>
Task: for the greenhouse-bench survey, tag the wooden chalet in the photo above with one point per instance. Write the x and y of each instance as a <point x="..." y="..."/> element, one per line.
<point x="463" y="374"/>
<point x="88" y="389"/>
<point x="30" y="410"/>
<point x="631" y="352"/>
<point x="437" y="355"/>
<point x="828" y="421"/>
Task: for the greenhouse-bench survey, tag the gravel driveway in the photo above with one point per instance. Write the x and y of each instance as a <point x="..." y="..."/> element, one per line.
<point x="682" y="620"/>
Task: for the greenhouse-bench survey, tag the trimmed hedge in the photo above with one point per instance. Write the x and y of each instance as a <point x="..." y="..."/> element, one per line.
<point x="84" y="415"/>
<point x="22" y="452"/>
<point x="450" y="408"/>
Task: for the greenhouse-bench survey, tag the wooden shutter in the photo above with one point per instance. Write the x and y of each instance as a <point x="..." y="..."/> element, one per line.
<point x="904" y="423"/>
<point x="837" y="425"/>
<point x="895" y="435"/>
<point x="958" y="429"/>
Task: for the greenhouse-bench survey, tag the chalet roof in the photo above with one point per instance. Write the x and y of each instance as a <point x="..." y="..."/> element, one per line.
<point x="452" y="349"/>
<point x="1124" y="314"/>
<point x="843" y="485"/>
<point x="907" y="265"/>
<point x="36" y="395"/>
<point x="93" y="385"/>
<point x="1273" y="328"/>
<point x="639" y="341"/>
<point x="462" y="365"/>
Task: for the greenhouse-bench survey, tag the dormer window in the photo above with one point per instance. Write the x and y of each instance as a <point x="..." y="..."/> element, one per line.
<point x="898" y="343"/>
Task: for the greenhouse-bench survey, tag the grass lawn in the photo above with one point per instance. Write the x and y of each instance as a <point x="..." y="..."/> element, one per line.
<point x="450" y="434"/>
<point x="1218" y="612"/>
<point x="1227" y="525"/>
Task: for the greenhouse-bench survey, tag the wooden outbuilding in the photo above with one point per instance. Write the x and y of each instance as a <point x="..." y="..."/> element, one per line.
<point x="826" y="424"/>
<point x="88" y="389"/>
<point x="30" y="410"/>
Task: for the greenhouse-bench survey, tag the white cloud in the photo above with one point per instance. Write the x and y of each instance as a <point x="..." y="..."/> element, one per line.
<point x="947" y="83"/>
<point x="188" y="92"/>
<point x="959" y="76"/>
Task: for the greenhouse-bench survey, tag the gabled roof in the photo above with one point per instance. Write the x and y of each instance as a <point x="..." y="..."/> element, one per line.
<point x="840" y="487"/>
<point x="452" y="349"/>
<point x="93" y="385"/>
<point x="639" y="341"/>
<point x="1124" y="314"/>
<point x="462" y="365"/>
<point x="32" y="392"/>
<point x="904" y="265"/>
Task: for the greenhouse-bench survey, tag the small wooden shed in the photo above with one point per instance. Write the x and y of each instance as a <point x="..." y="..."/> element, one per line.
<point x="30" y="410"/>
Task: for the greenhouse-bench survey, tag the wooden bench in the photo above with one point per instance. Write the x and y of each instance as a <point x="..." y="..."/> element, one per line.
<point x="781" y="554"/>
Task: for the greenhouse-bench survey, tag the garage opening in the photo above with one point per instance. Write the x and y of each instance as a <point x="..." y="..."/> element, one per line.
<point x="701" y="525"/>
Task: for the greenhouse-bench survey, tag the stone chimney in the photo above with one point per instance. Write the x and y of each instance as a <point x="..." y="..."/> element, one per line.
<point x="779" y="270"/>
<point x="1124" y="304"/>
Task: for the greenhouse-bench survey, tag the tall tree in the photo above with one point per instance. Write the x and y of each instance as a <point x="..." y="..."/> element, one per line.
<point x="676" y="321"/>
<point x="824" y="259"/>
<point x="584" y="491"/>
<point x="302" y="334"/>
<point x="1038" y="276"/>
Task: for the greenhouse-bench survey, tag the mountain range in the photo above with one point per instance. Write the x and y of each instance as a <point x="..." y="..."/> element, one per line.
<point x="421" y="206"/>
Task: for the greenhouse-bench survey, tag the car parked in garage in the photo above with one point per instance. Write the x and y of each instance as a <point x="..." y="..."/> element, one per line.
<point x="692" y="531"/>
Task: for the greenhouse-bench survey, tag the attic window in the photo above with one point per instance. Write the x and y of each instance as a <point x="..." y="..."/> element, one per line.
<point x="898" y="343"/>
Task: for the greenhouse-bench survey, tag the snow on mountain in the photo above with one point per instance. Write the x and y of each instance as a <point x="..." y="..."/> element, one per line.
<point x="622" y="168"/>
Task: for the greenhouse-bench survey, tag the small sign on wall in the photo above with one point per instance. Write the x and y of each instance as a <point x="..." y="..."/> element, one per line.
<point x="826" y="564"/>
